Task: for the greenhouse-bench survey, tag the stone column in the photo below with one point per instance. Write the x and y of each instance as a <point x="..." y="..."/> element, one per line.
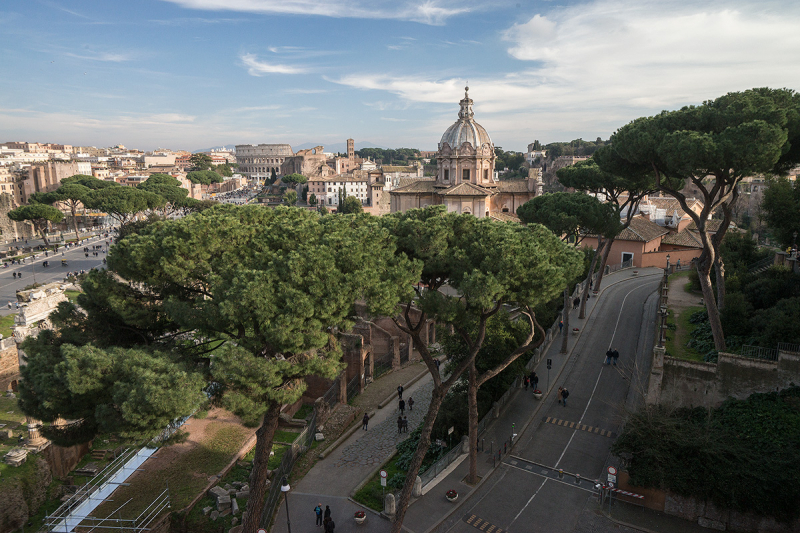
<point x="35" y="441"/>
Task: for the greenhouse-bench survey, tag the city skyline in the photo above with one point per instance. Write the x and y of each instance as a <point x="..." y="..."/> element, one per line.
<point x="190" y="74"/>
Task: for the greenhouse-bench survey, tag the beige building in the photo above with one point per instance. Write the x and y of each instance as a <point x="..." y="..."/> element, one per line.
<point x="44" y="177"/>
<point x="260" y="161"/>
<point x="465" y="181"/>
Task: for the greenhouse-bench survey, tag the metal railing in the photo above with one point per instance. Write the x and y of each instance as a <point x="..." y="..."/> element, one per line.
<point x="439" y="466"/>
<point x="353" y="387"/>
<point x="757" y="352"/>
<point x="786" y="347"/>
<point x="620" y="266"/>
<point x="331" y="396"/>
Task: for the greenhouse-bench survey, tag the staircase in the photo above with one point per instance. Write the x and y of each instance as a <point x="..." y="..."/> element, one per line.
<point x="760" y="266"/>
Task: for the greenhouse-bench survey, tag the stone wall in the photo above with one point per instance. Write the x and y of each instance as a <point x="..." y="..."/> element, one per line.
<point x="62" y="460"/>
<point x="9" y="365"/>
<point x="692" y="384"/>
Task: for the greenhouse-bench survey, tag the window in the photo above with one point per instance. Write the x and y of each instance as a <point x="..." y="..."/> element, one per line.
<point x="465" y="174"/>
<point x="447" y="174"/>
<point x="627" y="256"/>
<point x="486" y="175"/>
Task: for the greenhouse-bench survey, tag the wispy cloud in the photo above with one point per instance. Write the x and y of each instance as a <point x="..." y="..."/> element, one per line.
<point x="185" y="21"/>
<point x="100" y="56"/>
<point x="256" y="67"/>
<point x="434" y="12"/>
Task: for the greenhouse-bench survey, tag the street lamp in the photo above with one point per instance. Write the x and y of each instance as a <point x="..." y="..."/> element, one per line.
<point x="285" y="488"/>
<point x="667" y="261"/>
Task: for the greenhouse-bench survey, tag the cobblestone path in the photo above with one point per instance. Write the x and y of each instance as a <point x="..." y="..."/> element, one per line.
<point x="379" y="441"/>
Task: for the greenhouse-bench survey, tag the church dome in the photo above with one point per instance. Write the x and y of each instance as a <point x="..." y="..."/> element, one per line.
<point x="465" y="129"/>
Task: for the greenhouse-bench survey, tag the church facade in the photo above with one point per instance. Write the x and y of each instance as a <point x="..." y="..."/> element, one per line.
<point x="465" y="181"/>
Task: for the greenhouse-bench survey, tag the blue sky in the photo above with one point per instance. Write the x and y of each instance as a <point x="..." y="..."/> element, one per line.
<point x="188" y="74"/>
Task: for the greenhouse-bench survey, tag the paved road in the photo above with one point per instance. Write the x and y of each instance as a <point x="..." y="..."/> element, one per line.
<point x="55" y="272"/>
<point x="525" y="494"/>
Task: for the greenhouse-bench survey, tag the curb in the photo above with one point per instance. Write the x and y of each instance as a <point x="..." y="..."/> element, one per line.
<point x="411" y="382"/>
<point x="343" y="437"/>
<point x="626" y="524"/>
<point x="369" y="476"/>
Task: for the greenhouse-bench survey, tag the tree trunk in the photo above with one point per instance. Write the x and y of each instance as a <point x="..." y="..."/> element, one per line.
<point x="602" y="271"/>
<point x="711" y="307"/>
<point x="565" y="319"/>
<point x="75" y="222"/>
<point x="416" y="461"/>
<point x="258" y="477"/>
<point x="585" y="295"/>
<point x="472" y="410"/>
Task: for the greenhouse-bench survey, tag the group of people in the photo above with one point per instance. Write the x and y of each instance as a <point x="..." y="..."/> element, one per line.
<point x="611" y="356"/>
<point x="532" y="380"/>
<point x="324" y="519"/>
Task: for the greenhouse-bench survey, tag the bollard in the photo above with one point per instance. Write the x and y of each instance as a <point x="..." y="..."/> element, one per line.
<point x="560" y="474"/>
<point x="505" y="447"/>
<point x="577" y="478"/>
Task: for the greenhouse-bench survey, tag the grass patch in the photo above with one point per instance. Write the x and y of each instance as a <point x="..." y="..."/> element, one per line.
<point x="186" y="476"/>
<point x="305" y="410"/>
<point x="372" y="493"/>
<point x="285" y="436"/>
<point x="197" y="522"/>
<point x="677" y="338"/>
<point x="275" y="460"/>
<point x="7" y="329"/>
<point x="72" y="296"/>
<point x="14" y="421"/>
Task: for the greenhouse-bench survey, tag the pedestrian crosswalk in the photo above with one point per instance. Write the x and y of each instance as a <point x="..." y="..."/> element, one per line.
<point x="481" y="524"/>
<point x="581" y="427"/>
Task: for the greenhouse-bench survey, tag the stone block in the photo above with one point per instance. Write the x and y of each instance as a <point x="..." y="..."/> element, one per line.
<point x="207" y="510"/>
<point x="246" y="487"/>
<point x="226" y="512"/>
<point x="245" y="494"/>
<point x="711" y="524"/>
<point x="231" y="491"/>
<point x="227" y="486"/>
<point x="234" y="506"/>
<point x="237" y="484"/>
<point x="214" y="515"/>
<point x="234" y="521"/>
<point x="319" y="436"/>
<point x="217" y="492"/>
<point x="223" y="503"/>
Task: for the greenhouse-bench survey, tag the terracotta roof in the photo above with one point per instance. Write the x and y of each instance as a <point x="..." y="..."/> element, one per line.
<point x="513" y="186"/>
<point x="398" y="168"/>
<point x="416" y="187"/>
<point x="505" y="217"/>
<point x="402" y="182"/>
<point x="712" y="226"/>
<point x="641" y="230"/>
<point x="465" y="189"/>
<point x="684" y="238"/>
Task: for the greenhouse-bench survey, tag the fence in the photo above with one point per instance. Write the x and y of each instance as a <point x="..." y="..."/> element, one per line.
<point x="786" y="347"/>
<point x="620" y="266"/>
<point x="439" y="466"/>
<point x="757" y="352"/>
<point x="382" y="365"/>
<point x="292" y="453"/>
<point x="353" y="387"/>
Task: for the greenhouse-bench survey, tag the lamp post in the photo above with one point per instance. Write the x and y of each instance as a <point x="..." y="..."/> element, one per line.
<point x="285" y="488"/>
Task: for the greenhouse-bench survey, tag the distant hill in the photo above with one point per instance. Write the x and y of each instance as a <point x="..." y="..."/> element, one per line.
<point x="336" y="147"/>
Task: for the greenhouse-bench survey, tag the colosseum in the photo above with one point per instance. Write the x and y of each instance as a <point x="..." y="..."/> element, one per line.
<point x="259" y="161"/>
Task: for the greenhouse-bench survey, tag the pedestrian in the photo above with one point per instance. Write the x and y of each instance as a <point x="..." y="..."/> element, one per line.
<point x="365" y="421"/>
<point x="14" y="274"/>
<point x="437" y="363"/>
<point x="534" y="381"/>
<point x="560" y="325"/>
<point x="564" y="395"/>
<point x="560" y="392"/>
<point x="399" y="423"/>
<point x="318" y="512"/>
<point x="576" y="302"/>
<point x="402" y="405"/>
<point x="400" y="390"/>
<point x="328" y="512"/>
<point x="614" y="357"/>
<point x="527" y="381"/>
<point x="410" y="404"/>
<point x="609" y="355"/>
<point x="405" y="424"/>
<point x="330" y="526"/>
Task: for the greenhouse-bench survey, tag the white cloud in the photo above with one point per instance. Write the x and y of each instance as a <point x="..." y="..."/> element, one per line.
<point x="590" y="68"/>
<point x="100" y="56"/>
<point x="433" y="12"/>
<point x="256" y="67"/>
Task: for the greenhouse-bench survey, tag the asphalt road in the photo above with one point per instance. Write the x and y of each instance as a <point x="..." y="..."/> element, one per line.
<point x="76" y="260"/>
<point x="526" y="494"/>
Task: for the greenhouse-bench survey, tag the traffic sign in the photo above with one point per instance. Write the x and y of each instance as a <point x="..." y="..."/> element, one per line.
<point x="383" y="473"/>
<point x="262" y="530"/>
<point x="383" y="478"/>
<point x="612" y="475"/>
<point x="549" y="364"/>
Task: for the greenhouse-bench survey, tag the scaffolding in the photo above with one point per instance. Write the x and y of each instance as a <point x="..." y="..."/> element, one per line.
<point x="74" y="512"/>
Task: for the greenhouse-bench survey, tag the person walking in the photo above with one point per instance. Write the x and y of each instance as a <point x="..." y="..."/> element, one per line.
<point x="402" y="406"/>
<point x="328" y="511"/>
<point x="365" y="421"/>
<point x="560" y="325"/>
<point x="564" y="396"/>
<point x="318" y="512"/>
<point x="410" y="403"/>
<point x="400" y="390"/>
<point x="527" y="381"/>
<point x="576" y="302"/>
<point x="560" y="393"/>
<point x="405" y="424"/>
<point x="399" y="423"/>
<point x="614" y="357"/>
<point x="609" y="355"/>
<point x="437" y="363"/>
<point x="534" y="381"/>
<point x="330" y="526"/>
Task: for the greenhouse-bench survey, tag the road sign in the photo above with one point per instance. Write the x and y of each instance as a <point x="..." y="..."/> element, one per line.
<point x="450" y="431"/>
<point x="612" y="475"/>
<point x="262" y="530"/>
<point x="383" y="478"/>
<point x="549" y="364"/>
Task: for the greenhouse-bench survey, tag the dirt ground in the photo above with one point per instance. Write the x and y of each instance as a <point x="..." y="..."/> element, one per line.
<point x="186" y="467"/>
<point x="679" y="299"/>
